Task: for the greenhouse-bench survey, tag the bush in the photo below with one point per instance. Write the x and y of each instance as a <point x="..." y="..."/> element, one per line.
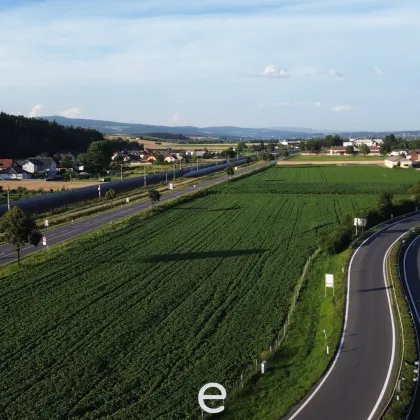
<point x="110" y="194"/>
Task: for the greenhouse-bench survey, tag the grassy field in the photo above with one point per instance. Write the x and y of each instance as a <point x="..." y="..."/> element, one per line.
<point x="132" y="323"/>
<point x="304" y="158"/>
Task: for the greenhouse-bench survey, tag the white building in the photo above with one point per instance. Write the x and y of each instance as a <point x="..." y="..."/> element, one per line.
<point x="33" y="165"/>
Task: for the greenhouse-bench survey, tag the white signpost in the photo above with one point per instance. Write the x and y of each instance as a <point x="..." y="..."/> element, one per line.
<point x="44" y="241"/>
<point x="359" y="222"/>
<point x="46" y="223"/>
<point x="171" y="186"/>
<point x="127" y="200"/>
<point x="329" y="282"/>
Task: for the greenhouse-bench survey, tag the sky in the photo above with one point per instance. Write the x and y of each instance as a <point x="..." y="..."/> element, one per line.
<point x="325" y="64"/>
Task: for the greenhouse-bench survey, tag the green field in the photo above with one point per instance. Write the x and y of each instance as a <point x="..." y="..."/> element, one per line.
<point x="132" y="323"/>
<point x="327" y="179"/>
<point x="337" y="158"/>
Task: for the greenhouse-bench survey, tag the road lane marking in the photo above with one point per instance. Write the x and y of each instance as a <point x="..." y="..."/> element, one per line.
<point x="312" y="395"/>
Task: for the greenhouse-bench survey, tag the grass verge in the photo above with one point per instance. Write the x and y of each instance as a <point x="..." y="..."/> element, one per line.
<point x="399" y="408"/>
<point x="301" y="359"/>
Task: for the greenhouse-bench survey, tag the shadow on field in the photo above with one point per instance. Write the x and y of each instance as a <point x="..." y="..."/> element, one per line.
<point x="204" y="209"/>
<point x="203" y="255"/>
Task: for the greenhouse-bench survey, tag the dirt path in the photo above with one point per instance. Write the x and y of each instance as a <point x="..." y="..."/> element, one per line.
<point x="36" y="184"/>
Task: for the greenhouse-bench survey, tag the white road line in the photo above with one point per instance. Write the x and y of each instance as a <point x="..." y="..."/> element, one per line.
<point x="392" y="361"/>
<point x="311" y="396"/>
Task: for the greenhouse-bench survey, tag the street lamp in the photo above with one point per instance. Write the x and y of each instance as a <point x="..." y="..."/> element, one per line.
<point x="174" y="170"/>
<point x="121" y="171"/>
<point x="144" y="175"/>
<point x="99" y="186"/>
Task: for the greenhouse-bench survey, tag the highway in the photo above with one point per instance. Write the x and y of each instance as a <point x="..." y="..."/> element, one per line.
<point x="358" y="382"/>
<point x="77" y="228"/>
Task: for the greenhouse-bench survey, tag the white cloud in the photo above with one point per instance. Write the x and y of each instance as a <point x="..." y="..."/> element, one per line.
<point x="275" y="72"/>
<point x="341" y="108"/>
<point x="34" y="112"/>
<point x="261" y="105"/>
<point x="313" y="71"/>
<point x="378" y="71"/>
<point x="318" y="104"/>
<point x="181" y="102"/>
<point x="175" y="118"/>
<point x="71" y="113"/>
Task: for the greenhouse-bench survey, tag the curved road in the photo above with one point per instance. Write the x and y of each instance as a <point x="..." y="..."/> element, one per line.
<point x="80" y="227"/>
<point x="357" y="385"/>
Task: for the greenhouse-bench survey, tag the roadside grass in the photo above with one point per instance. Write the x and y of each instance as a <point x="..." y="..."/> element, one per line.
<point x="301" y="359"/>
<point x="399" y="409"/>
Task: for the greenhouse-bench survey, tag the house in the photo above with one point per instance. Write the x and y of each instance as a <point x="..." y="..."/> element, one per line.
<point x="149" y="158"/>
<point x="392" y="161"/>
<point x="170" y="158"/>
<point x="406" y="163"/>
<point x="337" y="150"/>
<point x="5" y="164"/>
<point x="39" y="164"/>
<point x="398" y="152"/>
<point x="414" y="157"/>
<point x="9" y="169"/>
<point x="368" y="142"/>
<point x="375" y="151"/>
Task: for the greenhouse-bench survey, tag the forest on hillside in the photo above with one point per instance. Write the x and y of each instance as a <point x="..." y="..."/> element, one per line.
<point x="22" y="137"/>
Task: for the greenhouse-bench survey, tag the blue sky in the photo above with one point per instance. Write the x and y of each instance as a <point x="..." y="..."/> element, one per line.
<point x="328" y="64"/>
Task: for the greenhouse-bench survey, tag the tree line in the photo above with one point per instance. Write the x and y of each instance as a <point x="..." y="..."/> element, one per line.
<point x="22" y="137"/>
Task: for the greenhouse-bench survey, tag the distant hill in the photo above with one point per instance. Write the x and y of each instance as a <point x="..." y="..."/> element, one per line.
<point x="112" y="127"/>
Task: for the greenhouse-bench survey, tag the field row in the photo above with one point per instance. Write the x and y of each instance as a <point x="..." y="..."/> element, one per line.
<point x="135" y="322"/>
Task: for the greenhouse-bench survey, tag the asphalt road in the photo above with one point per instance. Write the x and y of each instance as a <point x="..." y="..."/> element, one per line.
<point x="357" y="385"/>
<point x="62" y="233"/>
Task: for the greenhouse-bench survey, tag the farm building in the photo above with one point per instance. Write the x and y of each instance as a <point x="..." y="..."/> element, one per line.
<point x="392" y="161"/>
<point x="395" y="161"/>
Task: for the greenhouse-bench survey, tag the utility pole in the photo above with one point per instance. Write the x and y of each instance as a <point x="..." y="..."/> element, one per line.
<point x="121" y="170"/>
<point x="166" y="174"/>
<point x="8" y="198"/>
<point x="99" y="186"/>
<point x="144" y="180"/>
<point x="174" y="170"/>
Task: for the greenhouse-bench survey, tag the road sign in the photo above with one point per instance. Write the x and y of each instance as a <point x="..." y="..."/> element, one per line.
<point x="44" y="241"/>
<point x="329" y="282"/>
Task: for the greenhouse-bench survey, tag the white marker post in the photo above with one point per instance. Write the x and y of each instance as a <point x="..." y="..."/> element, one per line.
<point x="127" y="200"/>
<point x="44" y="241"/>
<point x="46" y="223"/>
<point x="329" y="282"/>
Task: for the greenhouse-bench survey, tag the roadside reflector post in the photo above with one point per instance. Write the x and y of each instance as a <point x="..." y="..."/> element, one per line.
<point x="264" y="366"/>
<point x="46" y="223"/>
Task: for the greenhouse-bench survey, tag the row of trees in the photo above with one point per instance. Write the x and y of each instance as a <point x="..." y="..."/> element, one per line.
<point x="22" y="137"/>
<point x="339" y="239"/>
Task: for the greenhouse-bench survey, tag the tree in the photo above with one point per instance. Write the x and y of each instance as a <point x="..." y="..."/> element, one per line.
<point x="241" y="146"/>
<point x="385" y="205"/>
<point x="154" y="196"/>
<point x="160" y="158"/>
<point x="248" y="160"/>
<point x="66" y="162"/>
<point x="83" y="158"/>
<point x="118" y="158"/>
<point x="230" y="171"/>
<point x="110" y="194"/>
<point x="19" y="228"/>
<point x="99" y="155"/>
<point x="349" y="150"/>
<point x="364" y="150"/>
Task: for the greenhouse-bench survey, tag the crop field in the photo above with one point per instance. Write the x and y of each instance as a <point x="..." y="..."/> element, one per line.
<point x="132" y="323"/>
<point x="327" y="180"/>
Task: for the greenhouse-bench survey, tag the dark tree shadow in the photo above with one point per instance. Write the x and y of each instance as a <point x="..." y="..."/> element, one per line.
<point x="203" y="255"/>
